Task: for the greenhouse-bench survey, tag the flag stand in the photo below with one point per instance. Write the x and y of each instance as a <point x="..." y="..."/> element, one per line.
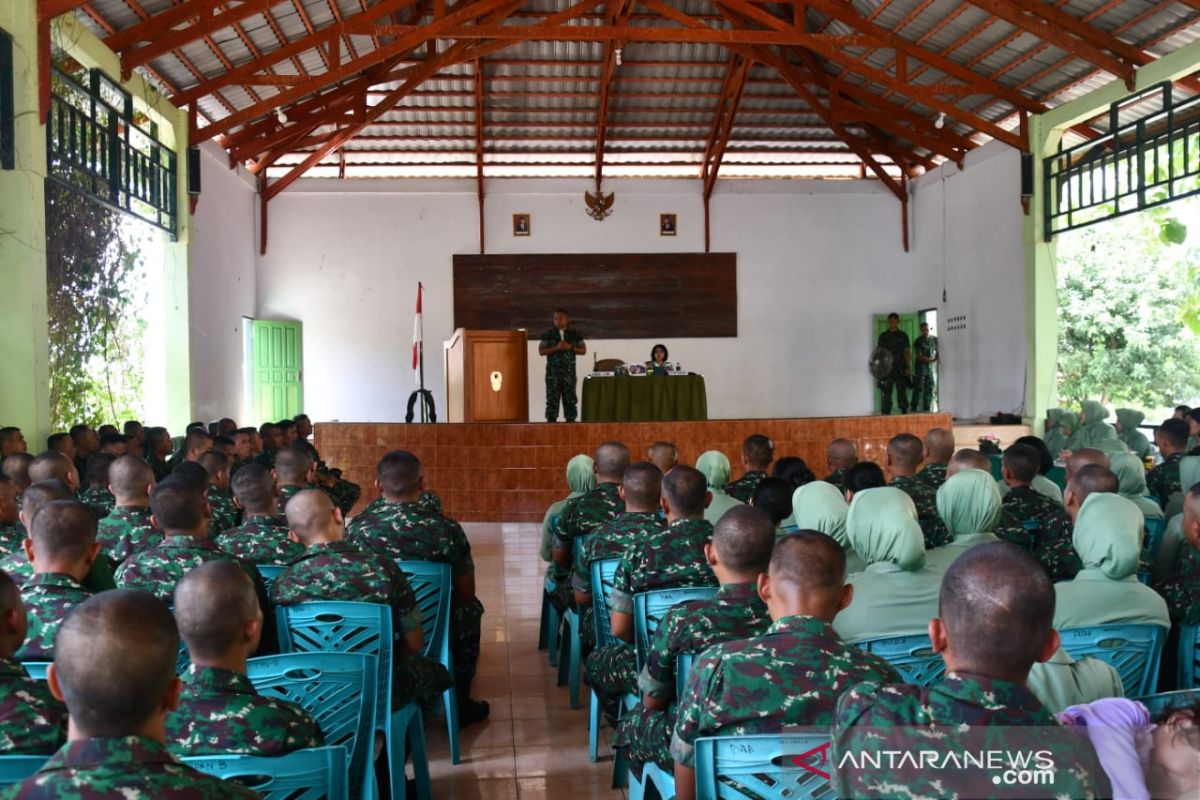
<point x="421" y="395"/>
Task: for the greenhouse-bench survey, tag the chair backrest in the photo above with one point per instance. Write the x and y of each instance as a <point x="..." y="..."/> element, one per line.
<point x="36" y="669"/>
<point x="316" y="774"/>
<point x="269" y="573"/>
<point x="430" y="581"/>
<point x="1155" y="528"/>
<point x="683" y="668"/>
<point x="1188" y="664"/>
<point x="14" y="768"/>
<point x="338" y="689"/>
<point x="1159" y="703"/>
<point x="649" y="608"/>
<point x="1134" y="651"/>
<point x="603" y="571"/>
<point x="577" y="547"/>
<point x="764" y="767"/>
<point x="912" y="656"/>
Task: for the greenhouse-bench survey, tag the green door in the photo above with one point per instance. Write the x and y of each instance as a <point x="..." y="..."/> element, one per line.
<point x="910" y="324"/>
<point x="276" y="370"/>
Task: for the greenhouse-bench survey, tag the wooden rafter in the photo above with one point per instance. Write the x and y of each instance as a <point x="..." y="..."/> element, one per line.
<point x="618" y="12"/>
<point x="161" y="37"/>
<point x="723" y="116"/>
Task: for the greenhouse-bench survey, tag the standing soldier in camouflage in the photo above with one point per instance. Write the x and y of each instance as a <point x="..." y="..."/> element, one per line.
<point x="12" y="532"/>
<point x="757" y="454"/>
<point x="790" y="675"/>
<point x="641" y="489"/>
<point x="219" y="710"/>
<point x="332" y="568"/>
<point x="925" y="356"/>
<point x="740" y="551"/>
<point x="560" y="345"/>
<point x="220" y="498"/>
<point x="1163" y="481"/>
<point x="263" y="537"/>
<point x="63" y="549"/>
<point x="895" y="341"/>
<point x="1032" y="520"/>
<point x="128" y="527"/>
<point x="670" y="558"/>
<point x="96" y="496"/>
<point x="115" y="666"/>
<point x="32" y="722"/>
<point x="939" y="449"/>
<point x="840" y="456"/>
<point x="996" y="607"/>
<point x="903" y="457"/>
<point x="400" y="531"/>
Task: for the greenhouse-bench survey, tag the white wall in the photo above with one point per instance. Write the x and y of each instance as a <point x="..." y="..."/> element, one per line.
<point x="222" y="285"/>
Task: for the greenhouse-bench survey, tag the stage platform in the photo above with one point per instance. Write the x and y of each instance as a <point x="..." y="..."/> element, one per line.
<point x="513" y="472"/>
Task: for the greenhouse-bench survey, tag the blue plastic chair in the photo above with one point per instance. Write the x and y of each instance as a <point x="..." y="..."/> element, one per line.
<point x="1134" y="651"/>
<point x="364" y="628"/>
<point x="551" y="620"/>
<point x="661" y="781"/>
<point x="36" y="669"/>
<point x="1156" y="527"/>
<point x="14" y="768"/>
<point x="315" y="774"/>
<point x="603" y="571"/>
<point x="339" y="690"/>
<point x="762" y="766"/>
<point x="570" y="657"/>
<point x="269" y="573"/>
<point x="683" y="668"/>
<point x="430" y="582"/>
<point x="912" y="656"/>
<point x="649" y="608"/>
<point x="1188" y="660"/>
<point x="1162" y="702"/>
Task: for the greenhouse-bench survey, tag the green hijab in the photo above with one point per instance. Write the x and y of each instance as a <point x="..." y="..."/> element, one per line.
<point x="581" y="474"/>
<point x="882" y="526"/>
<point x="1131" y="475"/>
<point x="1064" y="420"/>
<point x="1189" y="472"/>
<point x="1129" y="419"/>
<point x="1093" y="412"/>
<point x="819" y="506"/>
<point x="1133" y="438"/>
<point x="969" y="502"/>
<point x="1094" y="431"/>
<point x="715" y="467"/>
<point x="1108" y="535"/>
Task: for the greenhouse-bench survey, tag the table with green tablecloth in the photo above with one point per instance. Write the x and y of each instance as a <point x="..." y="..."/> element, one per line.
<point x="625" y="398"/>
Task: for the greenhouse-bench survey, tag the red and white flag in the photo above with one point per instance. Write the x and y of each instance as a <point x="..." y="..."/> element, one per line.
<point x="418" y="338"/>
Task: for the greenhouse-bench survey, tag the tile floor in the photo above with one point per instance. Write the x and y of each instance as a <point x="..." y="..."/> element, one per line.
<point x="533" y="745"/>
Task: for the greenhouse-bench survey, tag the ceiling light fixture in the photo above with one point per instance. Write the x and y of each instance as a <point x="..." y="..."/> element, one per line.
<point x="617" y="55"/>
<point x="282" y="117"/>
<point x="940" y="122"/>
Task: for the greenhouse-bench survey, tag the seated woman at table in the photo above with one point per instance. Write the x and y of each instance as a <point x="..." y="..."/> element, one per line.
<point x="658" y="364"/>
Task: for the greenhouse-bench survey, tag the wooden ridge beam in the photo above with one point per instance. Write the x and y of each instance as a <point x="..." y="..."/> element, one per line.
<point x="617" y="12"/>
<point x="605" y="33"/>
<point x="161" y="37"/>
<point x="723" y="117"/>
<point x="1080" y="28"/>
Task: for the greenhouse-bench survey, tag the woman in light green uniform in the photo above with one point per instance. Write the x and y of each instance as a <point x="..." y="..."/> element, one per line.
<point x="1128" y="421"/>
<point x="819" y="506"/>
<point x="1093" y="431"/>
<point x="969" y="503"/>
<point x="715" y="467"/>
<point x="581" y="479"/>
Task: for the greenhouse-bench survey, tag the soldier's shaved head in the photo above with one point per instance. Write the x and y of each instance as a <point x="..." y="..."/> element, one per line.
<point x="254" y="487"/>
<point x="292" y="464"/>
<point x="1084" y="457"/>
<point x="642" y="485"/>
<point x="51" y="465"/>
<point x="129" y="477"/>
<point x="810" y="560"/>
<point x="612" y="459"/>
<point x="841" y="454"/>
<point x="16" y="467"/>
<point x="178" y="506"/>
<point x="1022" y="462"/>
<point x="114" y="662"/>
<point x="191" y="473"/>
<point x="744" y="538"/>
<point x="939" y="446"/>
<point x="664" y="455"/>
<point x="758" y="451"/>
<point x="41" y="493"/>
<point x="685" y="489"/>
<point x="968" y="458"/>
<point x="214" y="462"/>
<point x="63" y="532"/>
<point x="1092" y="479"/>
<point x="398" y="474"/>
<point x="311" y="516"/>
<point x="997" y="605"/>
<point x="97" y="468"/>
<point x="213" y="603"/>
<point x="905" y="450"/>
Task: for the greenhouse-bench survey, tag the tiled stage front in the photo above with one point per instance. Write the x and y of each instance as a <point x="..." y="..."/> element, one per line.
<point x="513" y="472"/>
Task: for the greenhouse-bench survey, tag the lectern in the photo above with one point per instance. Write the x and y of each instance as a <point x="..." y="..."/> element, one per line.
<point x="487" y="376"/>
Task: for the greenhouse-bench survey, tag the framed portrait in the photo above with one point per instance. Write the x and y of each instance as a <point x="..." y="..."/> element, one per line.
<point x="521" y="224"/>
<point x="666" y="225"/>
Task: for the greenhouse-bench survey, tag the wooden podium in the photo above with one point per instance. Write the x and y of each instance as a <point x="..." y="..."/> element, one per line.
<point x="487" y="376"/>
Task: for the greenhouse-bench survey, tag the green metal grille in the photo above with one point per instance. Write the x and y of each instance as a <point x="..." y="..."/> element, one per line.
<point x="95" y="145"/>
<point x="1139" y="164"/>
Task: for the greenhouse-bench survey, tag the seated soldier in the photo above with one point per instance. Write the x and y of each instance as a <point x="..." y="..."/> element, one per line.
<point x="740" y="551"/>
<point x="16" y="469"/>
<point x="668" y="558"/>
<point x="993" y="623"/>
<point x="32" y="722"/>
<point x="115" y="444"/>
<point x="61" y="443"/>
<point x="581" y="479"/>
<point x="641" y="491"/>
<point x="263" y="537"/>
<point x="968" y="458"/>
<point x="12" y="441"/>
<point x="96" y="496"/>
<point x="128" y="527"/>
<point x="902" y="461"/>
<point x="294" y="471"/>
<point x="840" y="456"/>
<point x="196" y="443"/>
<point x="757" y="454"/>
<point x="862" y="476"/>
<point x="86" y="442"/>
<point x="226" y="447"/>
<point x="61" y="548"/>
<point x="714" y="466"/>
<point x="1040" y="483"/>
<point x="1181" y="589"/>
<point x="220" y="499"/>
<point x="16" y="564"/>
<point x="773" y="497"/>
<point x="896" y="593"/>
<point x="663" y="455"/>
<point x="400" y="531"/>
<point x="12" y="532"/>
<point x="1163" y="481"/>
<point x="219" y="710"/>
<point x="792" y="674"/>
<point x="969" y="504"/>
<point x="159" y="448"/>
<point x="939" y="448"/>
<point x="135" y="433"/>
<point x="1033" y="521"/>
<point x="331" y="568"/>
<point x="243" y="449"/>
<point x="272" y="443"/>
<point x="287" y="433"/>
<point x="114" y="665"/>
<point x="51" y="466"/>
<point x="106" y="429"/>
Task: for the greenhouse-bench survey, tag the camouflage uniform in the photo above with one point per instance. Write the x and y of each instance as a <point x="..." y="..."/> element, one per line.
<point x="610" y="540"/>
<point x="428" y="502"/>
<point x="345" y="494"/>
<point x="668" y="559"/>
<point x="237" y="464"/>
<point x="98" y="579"/>
<point x="157" y="569"/>
<point x="924" y="374"/>
<point x="1048" y="537"/>
<point x="31" y="720"/>
<point x="952" y="716"/>
<point x="121" y="768"/>
<point x="339" y="571"/>
<point x="933" y="475"/>
<point x="47" y="596"/>
<point x="266" y="457"/>
<point x="582" y="516"/>
<point x="837" y="478"/>
<point x="1163" y="481"/>
<point x="790" y="675"/>
<point x="735" y="613"/>
<point x="895" y="342"/>
<point x="560" y="374"/>
<point x="98" y="499"/>
<point x="743" y="488"/>
<point x="161" y="468"/>
<point x="288" y="491"/>
<point x="220" y="712"/>
<point x="924" y="498"/>
<point x="12" y="537"/>
<point x="125" y="531"/>
<point x="224" y="512"/>
<point x="261" y="539"/>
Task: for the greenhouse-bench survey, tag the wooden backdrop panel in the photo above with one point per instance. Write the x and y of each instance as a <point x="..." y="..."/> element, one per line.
<point x="609" y="296"/>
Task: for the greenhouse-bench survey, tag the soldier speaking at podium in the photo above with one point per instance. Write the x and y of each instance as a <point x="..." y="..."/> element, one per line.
<point x="560" y="345"/>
